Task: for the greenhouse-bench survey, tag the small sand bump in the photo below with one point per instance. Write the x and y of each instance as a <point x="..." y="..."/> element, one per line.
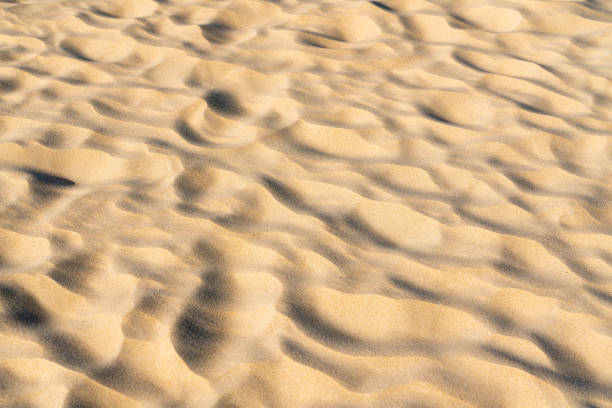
<point x="434" y="28"/>
<point x="535" y="97"/>
<point x="13" y="187"/>
<point x="129" y="8"/>
<point x="492" y="18"/>
<point x="245" y="14"/>
<point x="417" y="5"/>
<point x="375" y="319"/>
<point x="406" y="177"/>
<point x="224" y="75"/>
<point x="22" y="250"/>
<point x="503" y="65"/>
<point x="534" y="259"/>
<point x="67" y="167"/>
<point x="563" y="23"/>
<point x="479" y="373"/>
<point x="419" y="78"/>
<point x="398" y="225"/>
<point x="335" y="141"/>
<point x="461" y="108"/>
<point x="97" y="50"/>
<point x="553" y="180"/>
<point x="355" y="28"/>
<point x="336" y="200"/>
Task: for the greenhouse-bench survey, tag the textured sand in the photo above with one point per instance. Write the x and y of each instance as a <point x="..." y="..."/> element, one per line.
<point x="293" y="203"/>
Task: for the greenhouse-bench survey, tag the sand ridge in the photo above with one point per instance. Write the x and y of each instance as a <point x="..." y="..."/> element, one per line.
<point x="284" y="203"/>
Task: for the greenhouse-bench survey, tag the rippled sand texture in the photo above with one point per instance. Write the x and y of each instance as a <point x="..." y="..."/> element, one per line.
<point x="249" y="203"/>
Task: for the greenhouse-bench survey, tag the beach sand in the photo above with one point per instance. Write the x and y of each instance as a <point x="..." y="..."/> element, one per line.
<point x="289" y="203"/>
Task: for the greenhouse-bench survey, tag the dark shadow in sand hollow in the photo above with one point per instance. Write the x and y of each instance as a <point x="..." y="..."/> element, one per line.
<point x="382" y="6"/>
<point x="68" y="350"/>
<point x="50" y="179"/>
<point x="23" y="309"/>
<point x="223" y="102"/>
<point x="72" y="273"/>
<point x="216" y="32"/>
<point x="305" y="316"/>
<point x="200" y="329"/>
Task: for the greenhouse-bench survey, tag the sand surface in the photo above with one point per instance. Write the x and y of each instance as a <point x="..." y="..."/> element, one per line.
<point x="305" y="203"/>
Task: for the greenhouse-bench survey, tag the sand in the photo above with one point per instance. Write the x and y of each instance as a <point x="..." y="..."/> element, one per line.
<point x="286" y="203"/>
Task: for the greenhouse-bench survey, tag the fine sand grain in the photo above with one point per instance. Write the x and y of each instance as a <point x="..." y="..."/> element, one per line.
<point x="305" y="203"/>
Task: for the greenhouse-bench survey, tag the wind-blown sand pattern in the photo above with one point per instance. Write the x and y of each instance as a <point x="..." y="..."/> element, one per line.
<point x="250" y="203"/>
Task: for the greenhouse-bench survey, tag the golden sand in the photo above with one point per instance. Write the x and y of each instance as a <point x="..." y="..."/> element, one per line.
<point x="287" y="203"/>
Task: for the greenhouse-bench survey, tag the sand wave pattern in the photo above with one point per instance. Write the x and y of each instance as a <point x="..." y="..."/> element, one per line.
<point x="250" y="203"/>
